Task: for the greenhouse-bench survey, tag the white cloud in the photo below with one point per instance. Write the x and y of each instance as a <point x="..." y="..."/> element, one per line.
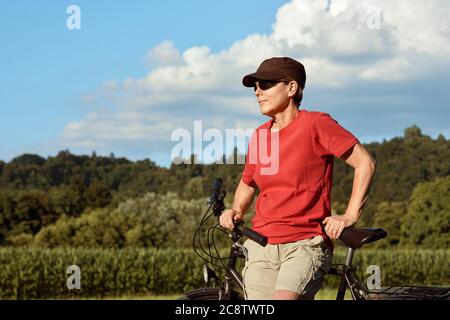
<point x="391" y="70"/>
<point x="341" y="43"/>
<point x="164" y="54"/>
<point x="419" y="27"/>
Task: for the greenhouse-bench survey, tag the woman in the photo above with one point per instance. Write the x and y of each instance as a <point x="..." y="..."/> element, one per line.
<point x="293" y="207"/>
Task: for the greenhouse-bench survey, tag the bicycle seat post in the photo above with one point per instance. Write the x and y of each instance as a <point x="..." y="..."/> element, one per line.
<point x="348" y="266"/>
<point x="349" y="258"/>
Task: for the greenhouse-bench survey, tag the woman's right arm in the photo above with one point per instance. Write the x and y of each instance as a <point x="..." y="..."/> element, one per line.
<point x="243" y="198"/>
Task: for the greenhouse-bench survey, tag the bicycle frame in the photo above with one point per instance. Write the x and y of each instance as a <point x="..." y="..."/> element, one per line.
<point x="349" y="279"/>
<point x="232" y="275"/>
<point x="352" y="238"/>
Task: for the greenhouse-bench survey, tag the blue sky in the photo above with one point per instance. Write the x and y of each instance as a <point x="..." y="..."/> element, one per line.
<point x="95" y="88"/>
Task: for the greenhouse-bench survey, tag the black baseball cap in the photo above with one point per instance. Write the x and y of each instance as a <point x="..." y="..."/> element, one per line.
<point x="277" y="68"/>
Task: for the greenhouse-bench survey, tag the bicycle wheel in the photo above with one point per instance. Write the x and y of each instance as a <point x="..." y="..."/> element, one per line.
<point x="209" y="294"/>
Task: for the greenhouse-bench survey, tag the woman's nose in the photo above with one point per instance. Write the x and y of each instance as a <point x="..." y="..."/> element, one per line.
<point x="258" y="91"/>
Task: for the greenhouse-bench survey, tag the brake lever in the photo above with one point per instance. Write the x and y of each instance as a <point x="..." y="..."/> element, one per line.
<point x="243" y="249"/>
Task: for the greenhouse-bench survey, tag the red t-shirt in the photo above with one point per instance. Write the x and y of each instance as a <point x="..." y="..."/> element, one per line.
<point x="295" y="199"/>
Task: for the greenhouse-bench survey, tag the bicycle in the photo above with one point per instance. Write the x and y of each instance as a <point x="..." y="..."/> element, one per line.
<point x="231" y="287"/>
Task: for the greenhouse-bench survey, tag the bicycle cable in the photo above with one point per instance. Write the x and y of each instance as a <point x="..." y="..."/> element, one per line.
<point x="197" y="235"/>
<point x="212" y="243"/>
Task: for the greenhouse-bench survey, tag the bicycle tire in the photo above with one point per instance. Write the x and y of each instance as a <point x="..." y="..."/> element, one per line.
<point x="208" y="294"/>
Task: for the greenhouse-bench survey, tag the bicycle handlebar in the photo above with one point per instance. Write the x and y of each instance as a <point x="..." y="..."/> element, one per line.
<point x="216" y="200"/>
<point x="255" y="236"/>
<point x="240" y="229"/>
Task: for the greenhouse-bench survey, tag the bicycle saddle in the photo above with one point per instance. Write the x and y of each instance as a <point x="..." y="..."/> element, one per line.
<point x="357" y="237"/>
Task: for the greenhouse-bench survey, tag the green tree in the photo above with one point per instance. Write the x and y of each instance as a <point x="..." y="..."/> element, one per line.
<point x="65" y="200"/>
<point x="389" y="216"/>
<point x="194" y="189"/>
<point x="427" y="223"/>
<point x="149" y="221"/>
<point x="97" y="195"/>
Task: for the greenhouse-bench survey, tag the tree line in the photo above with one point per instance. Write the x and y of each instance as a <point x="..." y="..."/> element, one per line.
<point x="47" y="201"/>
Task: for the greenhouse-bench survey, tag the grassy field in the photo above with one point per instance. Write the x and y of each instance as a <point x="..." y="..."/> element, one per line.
<point x="330" y="294"/>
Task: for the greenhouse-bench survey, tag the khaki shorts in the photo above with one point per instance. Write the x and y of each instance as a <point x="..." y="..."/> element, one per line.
<point x="298" y="266"/>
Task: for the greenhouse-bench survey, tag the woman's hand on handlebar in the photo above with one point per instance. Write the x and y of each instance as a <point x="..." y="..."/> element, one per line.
<point x="228" y="217"/>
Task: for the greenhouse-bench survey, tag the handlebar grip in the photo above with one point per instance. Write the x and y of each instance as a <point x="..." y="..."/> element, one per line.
<point x="217" y="185"/>
<point x="255" y="236"/>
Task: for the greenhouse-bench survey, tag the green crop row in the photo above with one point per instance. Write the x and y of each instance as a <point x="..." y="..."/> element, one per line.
<point x="34" y="273"/>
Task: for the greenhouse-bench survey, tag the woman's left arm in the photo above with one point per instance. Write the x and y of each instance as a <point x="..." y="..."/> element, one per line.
<point x="364" y="166"/>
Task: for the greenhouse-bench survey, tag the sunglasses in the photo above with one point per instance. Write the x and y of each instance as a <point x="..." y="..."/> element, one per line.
<point x="266" y="84"/>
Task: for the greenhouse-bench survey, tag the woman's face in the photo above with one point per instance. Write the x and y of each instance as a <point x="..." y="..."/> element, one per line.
<point x="273" y="100"/>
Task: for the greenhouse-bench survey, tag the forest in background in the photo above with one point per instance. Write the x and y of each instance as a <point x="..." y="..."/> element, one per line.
<point x="112" y="202"/>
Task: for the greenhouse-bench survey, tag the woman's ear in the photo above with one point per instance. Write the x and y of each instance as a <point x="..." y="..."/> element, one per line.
<point x="293" y="86"/>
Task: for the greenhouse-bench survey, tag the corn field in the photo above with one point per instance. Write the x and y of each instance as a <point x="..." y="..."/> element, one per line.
<point x="35" y="273"/>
